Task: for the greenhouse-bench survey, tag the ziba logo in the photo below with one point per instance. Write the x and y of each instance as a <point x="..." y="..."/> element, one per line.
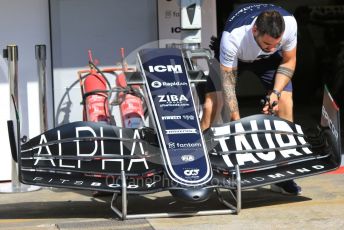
<point x="167" y="68"/>
<point x="172" y="98"/>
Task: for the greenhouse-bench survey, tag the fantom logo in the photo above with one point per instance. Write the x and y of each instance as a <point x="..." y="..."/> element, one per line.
<point x="167" y="68"/>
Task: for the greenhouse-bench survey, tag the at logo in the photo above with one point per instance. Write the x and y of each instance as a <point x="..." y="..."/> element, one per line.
<point x="156" y="84"/>
<point x="191" y="172"/>
<point x="167" y="68"/>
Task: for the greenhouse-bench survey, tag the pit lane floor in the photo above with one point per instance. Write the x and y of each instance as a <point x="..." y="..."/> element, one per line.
<point x="321" y="206"/>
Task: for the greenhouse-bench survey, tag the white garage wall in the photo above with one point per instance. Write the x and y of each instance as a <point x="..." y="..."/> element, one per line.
<point x="26" y="24"/>
<point x="103" y="26"/>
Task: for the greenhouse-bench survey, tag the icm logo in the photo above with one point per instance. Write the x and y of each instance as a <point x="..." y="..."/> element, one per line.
<point x="167" y="68"/>
<point x="188" y="158"/>
<point x="156" y="84"/>
<point x="191" y="172"/>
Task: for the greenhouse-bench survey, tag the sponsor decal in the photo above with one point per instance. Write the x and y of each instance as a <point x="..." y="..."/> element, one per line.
<point x="191" y="172"/>
<point x="184" y="117"/>
<point x="45" y="153"/>
<point x="153" y="182"/>
<point x="173" y="100"/>
<point x="180" y="131"/>
<point x="158" y="84"/>
<point x="167" y="68"/>
<point x="188" y="158"/>
<point x="283" y="174"/>
<point x="169" y="14"/>
<point x="173" y="145"/>
<point x="109" y="182"/>
<point x="189" y="117"/>
<point x="171" y="117"/>
<point x="267" y="141"/>
<point x="245" y="9"/>
<point x="330" y="123"/>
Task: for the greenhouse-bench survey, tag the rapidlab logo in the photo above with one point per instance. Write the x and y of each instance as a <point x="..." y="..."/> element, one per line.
<point x="158" y="84"/>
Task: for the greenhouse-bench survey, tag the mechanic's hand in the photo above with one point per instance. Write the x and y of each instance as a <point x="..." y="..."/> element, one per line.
<point x="215" y="46"/>
<point x="271" y="104"/>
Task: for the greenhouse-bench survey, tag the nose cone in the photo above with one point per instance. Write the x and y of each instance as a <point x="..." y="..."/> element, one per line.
<point x="192" y="195"/>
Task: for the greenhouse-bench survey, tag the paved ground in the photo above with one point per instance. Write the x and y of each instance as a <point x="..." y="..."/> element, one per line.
<point x="320" y="207"/>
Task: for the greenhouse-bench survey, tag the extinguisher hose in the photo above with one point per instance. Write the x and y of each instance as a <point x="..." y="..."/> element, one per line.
<point x="101" y="73"/>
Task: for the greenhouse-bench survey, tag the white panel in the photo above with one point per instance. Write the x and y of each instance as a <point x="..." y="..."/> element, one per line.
<point x="5" y="154"/>
<point x="169" y="21"/>
<point x="33" y="109"/>
<point x="26" y="24"/>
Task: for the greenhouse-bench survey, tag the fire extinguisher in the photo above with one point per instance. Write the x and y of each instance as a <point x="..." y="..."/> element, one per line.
<point x="95" y="95"/>
<point x="131" y="106"/>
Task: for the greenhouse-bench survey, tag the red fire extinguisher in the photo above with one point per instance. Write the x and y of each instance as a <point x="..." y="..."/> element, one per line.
<point x="131" y="106"/>
<point x="95" y="95"/>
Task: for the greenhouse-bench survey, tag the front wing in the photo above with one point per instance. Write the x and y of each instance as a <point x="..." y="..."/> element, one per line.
<point x="88" y="155"/>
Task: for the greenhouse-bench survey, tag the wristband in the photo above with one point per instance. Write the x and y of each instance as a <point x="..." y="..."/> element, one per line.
<point x="277" y="93"/>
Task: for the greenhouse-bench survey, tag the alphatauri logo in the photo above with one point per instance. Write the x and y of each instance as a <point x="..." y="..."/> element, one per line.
<point x="167" y="68"/>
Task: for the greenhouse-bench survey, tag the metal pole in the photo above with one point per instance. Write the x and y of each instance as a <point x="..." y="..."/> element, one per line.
<point x="40" y="52"/>
<point x="11" y="53"/>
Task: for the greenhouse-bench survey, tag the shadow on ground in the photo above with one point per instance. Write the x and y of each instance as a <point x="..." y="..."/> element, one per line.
<point x="162" y="202"/>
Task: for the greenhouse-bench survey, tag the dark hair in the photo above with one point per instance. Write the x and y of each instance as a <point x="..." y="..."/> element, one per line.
<point x="270" y="23"/>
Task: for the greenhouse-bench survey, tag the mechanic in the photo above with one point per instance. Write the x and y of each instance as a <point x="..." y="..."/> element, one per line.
<point x="260" y="38"/>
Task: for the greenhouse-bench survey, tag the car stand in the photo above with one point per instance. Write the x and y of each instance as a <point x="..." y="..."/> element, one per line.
<point x="123" y="215"/>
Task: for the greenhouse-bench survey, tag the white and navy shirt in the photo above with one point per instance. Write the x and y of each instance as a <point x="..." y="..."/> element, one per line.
<point x="238" y="43"/>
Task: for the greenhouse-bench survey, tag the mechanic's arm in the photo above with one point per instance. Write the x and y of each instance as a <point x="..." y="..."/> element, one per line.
<point x="229" y="78"/>
<point x="284" y="72"/>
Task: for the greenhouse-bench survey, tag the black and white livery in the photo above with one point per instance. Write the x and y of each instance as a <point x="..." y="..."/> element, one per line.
<point x="174" y="154"/>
